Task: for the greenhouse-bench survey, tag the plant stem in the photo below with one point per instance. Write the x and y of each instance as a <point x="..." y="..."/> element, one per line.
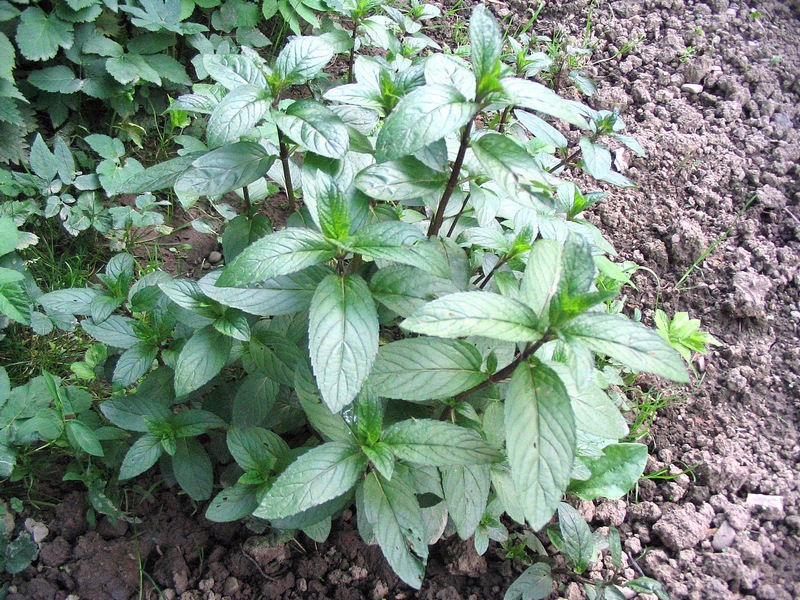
<point x="458" y="216"/>
<point x="247" y="204"/>
<point x="438" y="219"/>
<point x="287" y="174"/>
<point x="564" y="162"/>
<point x="496" y="266"/>
<point x="351" y="58"/>
<point x="503" y="118"/>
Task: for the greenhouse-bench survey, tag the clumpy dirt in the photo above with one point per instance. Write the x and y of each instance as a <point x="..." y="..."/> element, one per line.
<point x="711" y="91"/>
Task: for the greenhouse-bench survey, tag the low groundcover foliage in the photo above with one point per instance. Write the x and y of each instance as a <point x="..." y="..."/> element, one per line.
<point x="434" y="311"/>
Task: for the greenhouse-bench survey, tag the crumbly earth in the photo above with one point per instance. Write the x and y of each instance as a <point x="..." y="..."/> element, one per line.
<point x="711" y="90"/>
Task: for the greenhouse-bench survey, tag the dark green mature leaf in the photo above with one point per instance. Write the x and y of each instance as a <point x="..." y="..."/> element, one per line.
<point x="401" y="243"/>
<point x="84" y="437"/>
<point x="485" y="46"/>
<point x="535" y="96"/>
<point x="254" y="400"/>
<point x="402" y="179"/>
<point x="438" y="444"/>
<point x="396" y="521"/>
<point x="7" y="52"/>
<point x="314" y="127"/>
<point x="233" y="503"/>
<point x="40" y="35"/>
<point x="275" y="356"/>
<point x="425" y="115"/>
<point x="135" y="362"/>
<point x="577" y="538"/>
<point x="280" y="253"/>
<point x="142" y="455"/>
<point x="193" y="470"/>
<point x="59" y="79"/>
<point x="225" y="169"/>
<point x="302" y="59"/>
<point x="476" y="313"/>
<point x="331" y="426"/>
<point x="201" y="358"/>
<point x="115" y="331"/>
<point x="613" y="475"/>
<point x="405" y="289"/>
<point x="343" y="338"/>
<point x="233" y="70"/>
<point x="321" y="474"/>
<point x="629" y="342"/>
<point x="252" y="447"/>
<point x="535" y="583"/>
<point x="425" y="369"/>
<point x="20" y="553"/>
<point x="540" y="439"/>
<point x="466" y="489"/>
<point x="236" y="114"/>
<point x="69" y="301"/>
<point x="542" y="276"/>
<point x="315" y="514"/>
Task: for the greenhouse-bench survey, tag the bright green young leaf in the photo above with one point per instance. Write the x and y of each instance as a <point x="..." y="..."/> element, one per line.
<point x="425" y="369"/>
<point x="577" y="539"/>
<point x="201" y="359"/>
<point x="395" y="516"/>
<point x="314" y="127"/>
<point x="333" y="213"/>
<point x="14" y="303"/>
<point x="193" y="469"/>
<point x="403" y="179"/>
<point x="321" y="474"/>
<point x="485" y="46"/>
<point x="225" y="169"/>
<point x="303" y="58"/>
<point x="613" y="475"/>
<point x="142" y="455"/>
<point x="629" y="342"/>
<point x="280" y="253"/>
<point x="476" y="313"/>
<point x="438" y="444"/>
<point x="535" y="583"/>
<point x="343" y="337"/>
<point x="40" y="35"/>
<point x="535" y="96"/>
<point x="540" y="440"/>
<point x="405" y="290"/>
<point x="466" y="489"/>
<point x="425" y="115"/>
<point x="236" y="114"/>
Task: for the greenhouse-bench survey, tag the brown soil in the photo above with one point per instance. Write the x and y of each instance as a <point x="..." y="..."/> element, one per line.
<point x="710" y="149"/>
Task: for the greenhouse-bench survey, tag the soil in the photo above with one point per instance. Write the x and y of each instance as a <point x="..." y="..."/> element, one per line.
<point x="711" y="91"/>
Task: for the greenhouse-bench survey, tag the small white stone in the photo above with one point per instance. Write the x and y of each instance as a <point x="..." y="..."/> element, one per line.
<point x="765" y="501"/>
<point x="692" y="88"/>
<point x="724" y="537"/>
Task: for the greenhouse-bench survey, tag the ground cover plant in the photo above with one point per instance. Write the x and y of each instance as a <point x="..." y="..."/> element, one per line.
<point x="436" y="309"/>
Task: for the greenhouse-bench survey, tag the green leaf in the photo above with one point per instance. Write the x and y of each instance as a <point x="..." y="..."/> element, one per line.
<point x="303" y="58"/>
<point x="192" y="468"/>
<point x="134" y="363"/>
<point x="535" y="583"/>
<point x="201" y="358"/>
<point x="131" y="68"/>
<point x="425" y="115"/>
<point x="59" y="79"/>
<point x="115" y="331"/>
<point x="542" y="276"/>
<point x="438" y="444"/>
<point x="69" y="301"/>
<point x="646" y="585"/>
<point x="395" y="516"/>
<point x="235" y="324"/>
<point x="405" y="290"/>
<point x="332" y="209"/>
<point x="9" y="236"/>
<point x="401" y="243"/>
<point x="279" y="253"/>
<point x="14" y="303"/>
<point x="535" y="96"/>
<point x="225" y="169"/>
<point x="613" y="475"/>
<point x="141" y="456"/>
<point x="541" y="129"/>
<point x="275" y="356"/>
<point x="233" y="503"/>
<point x="84" y="437"/>
<point x="331" y="426"/>
<point x="194" y="422"/>
<point x="485" y="46"/>
<point x="476" y="313"/>
<point x="242" y="231"/>
<point x="253" y="447"/>
<point x="236" y="114"/>
<point x="233" y="70"/>
<point x="315" y="514"/>
<point x="577" y="538"/>
<point x="466" y="489"/>
<point x="40" y="35"/>
<point x="629" y="342"/>
<point x="321" y="474"/>
<point x="343" y="338"/>
<point x="20" y="553"/>
<point x="596" y="159"/>
<point x="426" y="369"/>
<point x="254" y="400"/>
<point x="314" y="127"/>
<point x="540" y="440"/>
<point x="403" y="179"/>
<point x="7" y="58"/>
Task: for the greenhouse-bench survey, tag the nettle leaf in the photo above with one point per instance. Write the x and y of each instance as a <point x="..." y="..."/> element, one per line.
<point x="280" y="253"/>
<point x="403" y="179"/>
<point x="476" y="313"/>
<point x="236" y="114"/>
<point x="535" y="583"/>
<point x="343" y="337"/>
<point x="485" y="47"/>
<point x="535" y="96"/>
<point x="629" y="342"/>
<point x="614" y="474"/>
<point x="321" y="474"/>
<point x="426" y="369"/>
<point x="302" y="59"/>
<point x="405" y="290"/>
<point x="466" y="489"/>
<point x="314" y="127"/>
<point x="225" y="169"/>
<point x="201" y="359"/>
<point x="7" y="56"/>
<point x="540" y="440"/>
<point x="394" y="515"/>
<point x="59" y="79"/>
<point x="39" y="35"/>
<point x="438" y="444"/>
<point x="425" y="115"/>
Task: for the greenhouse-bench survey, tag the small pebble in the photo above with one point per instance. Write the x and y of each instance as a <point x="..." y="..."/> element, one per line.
<point x="215" y="257"/>
<point x="724" y="537"/>
<point x="692" y="88"/>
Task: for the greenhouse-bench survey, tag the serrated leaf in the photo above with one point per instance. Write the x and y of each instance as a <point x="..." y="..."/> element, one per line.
<point x="321" y="474"/>
<point x="535" y="96"/>
<point x="225" y="169"/>
<point x="142" y="455"/>
<point x="629" y="342"/>
<point x="535" y="583"/>
<point x="192" y="468"/>
<point x="233" y="503"/>
<point x="115" y="331"/>
<point x="420" y="369"/>
<point x="466" y="489"/>
<point x="405" y="289"/>
<point x="7" y="57"/>
<point x="579" y="548"/>
<point x="201" y="359"/>
<point x="540" y="440"/>
<point x="281" y="253"/>
<point x="596" y="158"/>
<point x="134" y="363"/>
<point x="475" y="313"/>
<point x="20" y="553"/>
<point x="443" y="68"/>
<point x="403" y="179"/>
<point x="485" y="46"/>
<point x="40" y="35"/>
<point x="425" y="115"/>
<point x="314" y="127"/>
<point x="157" y="177"/>
<point x="302" y="59"/>
<point x="59" y="79"/>
<point x="233" y="70"/>
<point x="438" y="444"/>
<point x="613" y="475"/>
<point x="541" y="129"/>
<point x="236" y="114"/>
<point x="542" y="275"/>
<point x="343" y="337"/>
